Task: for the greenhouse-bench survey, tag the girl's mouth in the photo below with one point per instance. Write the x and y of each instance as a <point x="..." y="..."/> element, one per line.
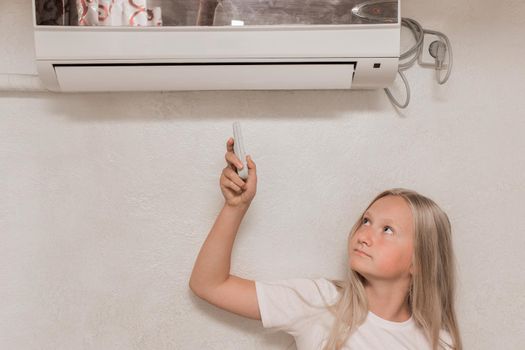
<point x="360" y="252"/>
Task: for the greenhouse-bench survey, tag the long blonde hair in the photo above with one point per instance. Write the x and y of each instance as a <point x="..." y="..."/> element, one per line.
<point x="431" y="293"/>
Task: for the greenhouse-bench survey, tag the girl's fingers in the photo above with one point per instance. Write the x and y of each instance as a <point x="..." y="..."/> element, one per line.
<point x="232" y="175"/>
<point x="252" y="168"/>
<point x="229" y="144"/>
<point x="232" y="159"/>
<point x="250" y="163"/>
<point x="231" y="185"/>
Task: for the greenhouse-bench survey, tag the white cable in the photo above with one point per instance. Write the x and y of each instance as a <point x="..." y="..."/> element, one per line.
<point x="418" y="32"/>
<point x="393" y="99"/>
<point x="415" y="53"/>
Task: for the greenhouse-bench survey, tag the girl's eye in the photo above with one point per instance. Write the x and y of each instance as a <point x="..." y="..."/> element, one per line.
<point x="364" y="220"/>
<point x="389" y="228"/>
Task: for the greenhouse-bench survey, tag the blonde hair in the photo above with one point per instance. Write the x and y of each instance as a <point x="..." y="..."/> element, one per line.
<point x="431" y="293"/>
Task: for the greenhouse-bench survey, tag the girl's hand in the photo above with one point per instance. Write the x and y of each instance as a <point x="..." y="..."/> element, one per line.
<point x="236" y="191"/>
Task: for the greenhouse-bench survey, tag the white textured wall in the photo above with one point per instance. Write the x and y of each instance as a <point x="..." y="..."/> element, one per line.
<point x="105" y="199"/>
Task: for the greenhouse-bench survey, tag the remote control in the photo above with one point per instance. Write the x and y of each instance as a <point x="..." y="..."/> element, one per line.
<point x="238" y="149"/>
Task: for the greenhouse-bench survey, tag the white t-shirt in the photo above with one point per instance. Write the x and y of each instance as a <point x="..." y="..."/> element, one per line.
<point x="283" y="308"/>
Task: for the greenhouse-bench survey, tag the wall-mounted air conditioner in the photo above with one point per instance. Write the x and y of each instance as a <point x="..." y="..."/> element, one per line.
<point x="217" y="44"/>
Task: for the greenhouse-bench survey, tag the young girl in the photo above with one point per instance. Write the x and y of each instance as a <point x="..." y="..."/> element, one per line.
<point x="399" y="288"/>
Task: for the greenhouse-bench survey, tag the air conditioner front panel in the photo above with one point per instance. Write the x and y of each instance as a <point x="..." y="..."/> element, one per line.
<point x="252" y="76"/>
<point x="81" y="43"/>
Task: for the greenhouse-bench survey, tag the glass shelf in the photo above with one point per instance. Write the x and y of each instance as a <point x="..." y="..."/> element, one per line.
<point x="139" y="13"/>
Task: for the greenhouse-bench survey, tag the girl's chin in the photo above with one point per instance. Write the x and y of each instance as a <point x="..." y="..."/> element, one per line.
<point x="355" y="267"/>
<point x="364" y="276"/>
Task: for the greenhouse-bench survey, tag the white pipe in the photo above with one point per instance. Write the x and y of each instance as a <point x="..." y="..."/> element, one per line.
<point x="20" y="82"/>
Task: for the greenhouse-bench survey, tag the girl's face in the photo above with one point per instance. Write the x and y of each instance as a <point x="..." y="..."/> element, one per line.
<point x="382" y="246"/>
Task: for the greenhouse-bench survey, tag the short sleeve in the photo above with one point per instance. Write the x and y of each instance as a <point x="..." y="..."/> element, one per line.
<point x="445" y="340"/>
<point x="286" y="305"/>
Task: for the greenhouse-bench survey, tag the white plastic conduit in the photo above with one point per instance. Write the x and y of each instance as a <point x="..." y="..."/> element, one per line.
<point x="20" y="82"/>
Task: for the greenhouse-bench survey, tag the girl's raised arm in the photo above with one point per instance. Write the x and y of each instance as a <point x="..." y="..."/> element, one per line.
<point x="211" y="279"/>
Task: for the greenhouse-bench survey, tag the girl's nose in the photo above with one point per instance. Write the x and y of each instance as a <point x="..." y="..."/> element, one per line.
<point x="364" y="236"/>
